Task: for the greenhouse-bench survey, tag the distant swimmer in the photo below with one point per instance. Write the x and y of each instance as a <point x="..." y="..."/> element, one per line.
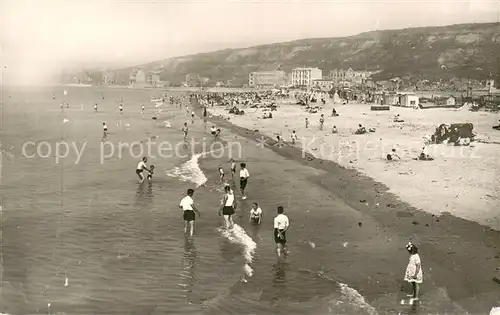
<point x="120" y="108"/>
<point x="233" y="167"/>
<point x="185" y="131"/>
<point x="228" y="206"/>
<point x="142" y="110"/>
<point x="104" y="129"/>
<point x="255" y="214"/>
<point x="244" y="175"/>
<point x="141" y="166"/>
<point x="221" y="173"/>
<point x="95" y="107"/>
<point x="281" y="225"/>
<point x="189" y="209"/>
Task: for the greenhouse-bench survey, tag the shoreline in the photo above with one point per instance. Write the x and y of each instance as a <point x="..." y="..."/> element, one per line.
<point x="461" y="180"/>
<point x="441" y="238"/>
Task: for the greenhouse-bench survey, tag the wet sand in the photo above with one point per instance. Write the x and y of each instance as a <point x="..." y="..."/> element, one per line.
<point x="460" y="257"/>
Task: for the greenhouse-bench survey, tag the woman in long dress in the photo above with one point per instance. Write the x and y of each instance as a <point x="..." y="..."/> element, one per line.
<point x="414" y="273"/>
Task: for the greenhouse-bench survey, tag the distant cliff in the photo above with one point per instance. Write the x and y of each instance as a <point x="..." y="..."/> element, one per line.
<point x="434" y="53"/>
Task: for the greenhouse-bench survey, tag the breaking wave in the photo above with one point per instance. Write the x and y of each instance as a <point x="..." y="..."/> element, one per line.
<point x="189" y="171"/>
<point x="237" y="235"/>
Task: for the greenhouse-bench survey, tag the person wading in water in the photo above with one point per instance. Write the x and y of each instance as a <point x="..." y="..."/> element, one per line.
<point x="228" y="205"/>
<point x="189" y="209"/>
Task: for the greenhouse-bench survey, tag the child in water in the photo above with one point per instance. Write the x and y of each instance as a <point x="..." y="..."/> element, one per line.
<point x="151" y="170"/>
<point x="221" y="173"/>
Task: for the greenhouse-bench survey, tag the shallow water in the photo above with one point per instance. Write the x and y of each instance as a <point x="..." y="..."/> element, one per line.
<point x="86" y="238"/>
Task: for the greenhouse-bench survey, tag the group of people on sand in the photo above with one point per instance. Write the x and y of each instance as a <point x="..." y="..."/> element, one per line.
<point x="423" y="156"/>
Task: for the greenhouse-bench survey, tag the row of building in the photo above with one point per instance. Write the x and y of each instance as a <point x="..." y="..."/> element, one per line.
<point x="138" y="77"/>
<point x="308" y="77"/>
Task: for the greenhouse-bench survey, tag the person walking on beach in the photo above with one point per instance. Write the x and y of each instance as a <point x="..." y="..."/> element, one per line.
<point x="414" y="274"/>
<point x="95" y="107"/>
<point x="321" y="122"/>
<point x="244" y="175"/>
<point x="189" y="209"/>
<point x="185" y="131"/>
<point x="142" y="110"/>
<point x="307" y="123"/>
<point x="228" y="206"/>
<point x="120" y="108"/>
<point x="141" y="166"/>
<point x="104" y="130"/>
<point x="294" y="137"/>
<point x="255" y="214"/>
<point x="192" y="117"/>
<point x="281" y="225"/>
<point x="221" y="174"/>
<point x="233" y="167"/>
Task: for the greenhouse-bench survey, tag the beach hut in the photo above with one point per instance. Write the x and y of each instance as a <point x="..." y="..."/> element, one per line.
<point x="451" y="101"/>
<point x="409" y="100"/>
<point x="336" y="98"/>
<point x="390" y="99"/>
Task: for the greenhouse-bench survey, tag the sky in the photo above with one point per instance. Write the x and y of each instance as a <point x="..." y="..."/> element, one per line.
<point x="40" y="37"/>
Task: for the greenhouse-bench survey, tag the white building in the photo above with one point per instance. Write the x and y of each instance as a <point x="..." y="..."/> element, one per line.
<point x="266" y="79"/>
<point x="306" y="76"/>
<point x="140" y="77"/>
<point x="409" y="100"/>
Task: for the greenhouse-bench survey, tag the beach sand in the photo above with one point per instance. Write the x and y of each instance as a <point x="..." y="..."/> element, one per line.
<point x="463" y="181"/>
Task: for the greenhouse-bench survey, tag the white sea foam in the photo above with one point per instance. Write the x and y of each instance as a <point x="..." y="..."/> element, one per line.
<point x="352" y="296"/>
<point x="237" y="235"/>
<point x="166" y="124"/>
<point x="495" y="311"/>
<point x="189" y="171"/>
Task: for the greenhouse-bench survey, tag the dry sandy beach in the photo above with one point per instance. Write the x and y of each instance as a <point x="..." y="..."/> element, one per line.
<point x="463" y="181"/>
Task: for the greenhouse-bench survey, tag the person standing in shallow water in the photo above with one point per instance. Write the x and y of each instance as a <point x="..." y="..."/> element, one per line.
<point x="281" y="225"/>
<point x="414" y="274"/>
<point x="188" y="208"/>
<point x="244" y="175"/>
<point x="228" y="206"/>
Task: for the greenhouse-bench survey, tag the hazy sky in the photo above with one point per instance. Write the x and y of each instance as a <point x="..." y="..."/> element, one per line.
<point x="39" y="37"/>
